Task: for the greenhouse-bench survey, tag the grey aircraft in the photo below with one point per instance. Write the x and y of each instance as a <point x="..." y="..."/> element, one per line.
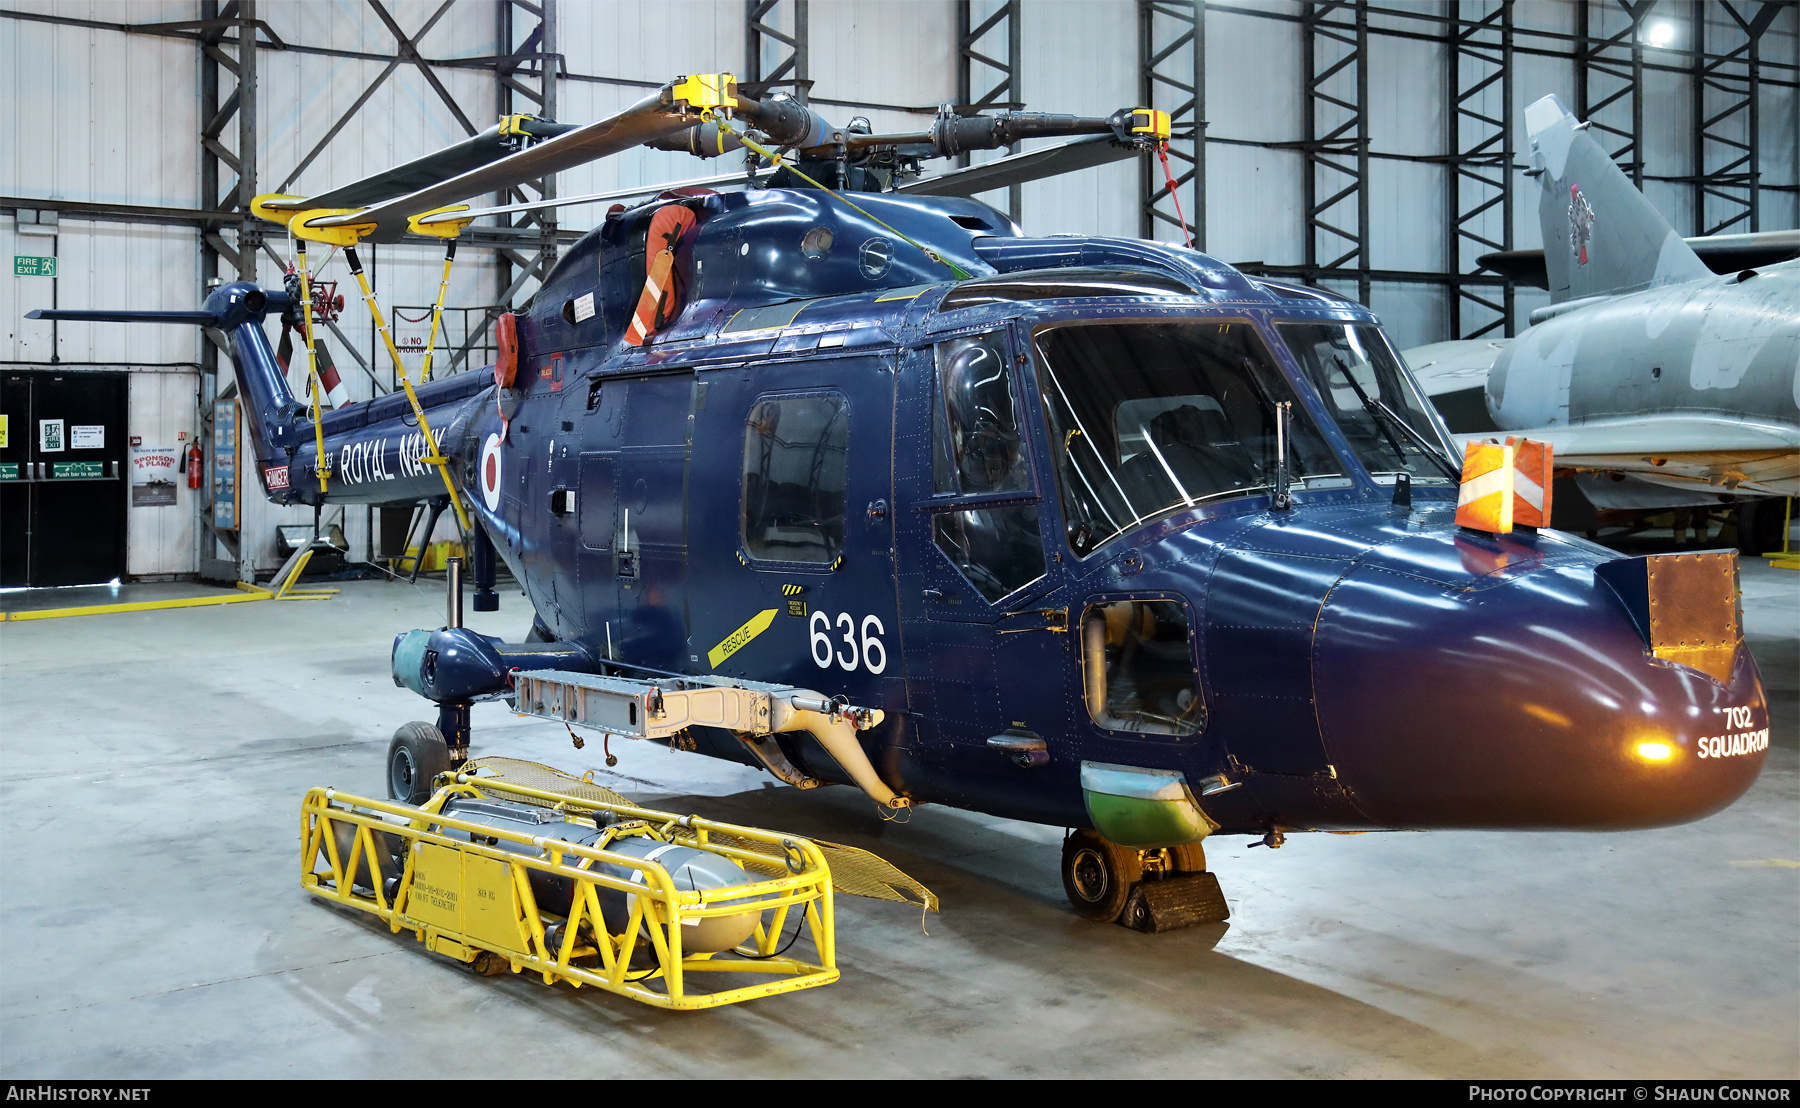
<point x="1660" y="383"/>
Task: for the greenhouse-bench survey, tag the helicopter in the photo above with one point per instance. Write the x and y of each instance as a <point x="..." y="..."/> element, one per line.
<point x="850" y="479"/>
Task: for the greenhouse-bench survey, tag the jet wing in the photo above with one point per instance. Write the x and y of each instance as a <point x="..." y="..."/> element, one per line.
<point x="1660" y="435"/>
<point x="1450" y="367"/>
<point x="1721" y="253"/>
<point x="1728" y="454"/>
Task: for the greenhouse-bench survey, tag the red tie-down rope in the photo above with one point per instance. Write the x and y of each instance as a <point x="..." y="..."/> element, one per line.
<point x="1162" y="152"/>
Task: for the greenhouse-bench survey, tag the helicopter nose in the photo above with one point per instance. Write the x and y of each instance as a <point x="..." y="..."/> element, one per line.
<point x="1537" y="702"/>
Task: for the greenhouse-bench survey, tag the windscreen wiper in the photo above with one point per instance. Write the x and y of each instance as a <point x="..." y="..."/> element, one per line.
<point x="1377" y="408"/>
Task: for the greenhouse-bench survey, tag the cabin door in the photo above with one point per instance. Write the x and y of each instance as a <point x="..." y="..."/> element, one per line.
<point x="793" y="531"/>
<point x="982" y="608"/>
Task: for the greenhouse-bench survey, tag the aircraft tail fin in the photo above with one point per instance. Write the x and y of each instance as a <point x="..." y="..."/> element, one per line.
<point x="1601" y="236"/>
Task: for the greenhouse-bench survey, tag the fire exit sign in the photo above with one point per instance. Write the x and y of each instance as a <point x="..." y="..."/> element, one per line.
<point x="26" y="266"/>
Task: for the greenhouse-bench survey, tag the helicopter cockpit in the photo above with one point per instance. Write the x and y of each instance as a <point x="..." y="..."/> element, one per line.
<point x="1152" y="416"/>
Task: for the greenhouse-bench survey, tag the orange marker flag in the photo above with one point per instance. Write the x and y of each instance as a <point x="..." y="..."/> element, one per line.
<point x="1485" y="501"/>
<point x="1533" y="470"/>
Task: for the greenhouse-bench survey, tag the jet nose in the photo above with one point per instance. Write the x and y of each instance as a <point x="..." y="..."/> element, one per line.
<point x="1537" y="702"/>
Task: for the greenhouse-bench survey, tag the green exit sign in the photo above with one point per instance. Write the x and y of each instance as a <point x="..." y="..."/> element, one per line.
<point x="25" y="266"/>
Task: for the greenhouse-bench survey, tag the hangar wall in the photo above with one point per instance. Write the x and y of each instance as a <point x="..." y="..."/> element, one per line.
<point x="112" y="118"/>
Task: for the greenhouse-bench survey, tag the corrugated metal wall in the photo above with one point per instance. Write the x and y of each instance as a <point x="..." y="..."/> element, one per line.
<point x="97" y="115"/>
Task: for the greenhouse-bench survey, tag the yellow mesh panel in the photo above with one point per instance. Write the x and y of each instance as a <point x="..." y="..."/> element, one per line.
<point x="854" y="872"/>
<point x="532" y="775"/>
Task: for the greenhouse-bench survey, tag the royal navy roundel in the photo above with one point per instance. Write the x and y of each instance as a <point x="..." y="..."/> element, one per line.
<point x="490" y="473"/>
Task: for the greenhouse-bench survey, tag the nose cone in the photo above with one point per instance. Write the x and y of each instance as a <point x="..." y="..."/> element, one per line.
<point x="1524" y="701"/>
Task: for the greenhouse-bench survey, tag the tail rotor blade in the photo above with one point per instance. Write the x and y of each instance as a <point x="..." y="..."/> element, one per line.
<point x="335" y="392"/>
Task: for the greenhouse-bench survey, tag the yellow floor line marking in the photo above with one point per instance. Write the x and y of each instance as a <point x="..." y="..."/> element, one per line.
<point x="1770" y="863"/>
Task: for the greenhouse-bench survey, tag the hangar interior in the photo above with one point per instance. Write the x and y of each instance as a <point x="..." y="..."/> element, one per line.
<point x="1375" y="150"/>
<point x="1357" y="146"/>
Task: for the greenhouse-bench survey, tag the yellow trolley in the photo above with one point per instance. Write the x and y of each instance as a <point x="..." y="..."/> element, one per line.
<point x="484" y="892"/>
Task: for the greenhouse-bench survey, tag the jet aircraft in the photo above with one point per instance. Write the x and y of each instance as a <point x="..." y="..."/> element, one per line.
<point x="1659" y="382"/>
<point x="866" y="485"/>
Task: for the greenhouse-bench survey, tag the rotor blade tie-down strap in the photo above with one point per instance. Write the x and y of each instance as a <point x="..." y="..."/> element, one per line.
<point x="437" y="309"/>
<point x="959" y="272"/>
<point x="1162" y="152"/>
<point x="322" y="464"/>
<point x="436" y="456"/>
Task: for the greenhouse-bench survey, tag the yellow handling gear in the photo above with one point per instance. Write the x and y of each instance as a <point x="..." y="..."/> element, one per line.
<point x="1149" y="121"/>
<point x="450" y="882"/>
<point x="448" y="232"/>
<point x="704" y="91"/>
<point x="436" y="456"/>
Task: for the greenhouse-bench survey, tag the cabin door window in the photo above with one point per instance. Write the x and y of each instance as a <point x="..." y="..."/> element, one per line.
<point x="795" y="468"/>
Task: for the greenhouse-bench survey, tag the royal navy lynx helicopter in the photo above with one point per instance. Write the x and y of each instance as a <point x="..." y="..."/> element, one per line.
<point x="850" y="479"/>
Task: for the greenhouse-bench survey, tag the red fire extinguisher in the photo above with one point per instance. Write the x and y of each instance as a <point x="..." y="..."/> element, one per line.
<point x="196" y="465"/>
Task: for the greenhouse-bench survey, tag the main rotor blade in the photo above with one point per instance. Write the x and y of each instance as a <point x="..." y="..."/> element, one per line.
<point x="1015" y="169"/>
<point x="594" y="197"/>
<point x="452" y="161"/>
<point x="644" y="120"/>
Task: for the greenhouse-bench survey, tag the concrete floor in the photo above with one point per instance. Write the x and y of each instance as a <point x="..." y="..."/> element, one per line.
<point x="151" y="923"/>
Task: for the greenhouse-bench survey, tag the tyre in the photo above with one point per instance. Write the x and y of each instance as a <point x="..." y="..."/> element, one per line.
<point x="1098" y="875"/>
<point x="1188" y="858"/>
<point x="1760" y="524"/>
<point x="416" y="756"/>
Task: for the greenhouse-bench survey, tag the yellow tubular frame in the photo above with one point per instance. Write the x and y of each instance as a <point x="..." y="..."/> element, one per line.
<point x="659" y="908"/>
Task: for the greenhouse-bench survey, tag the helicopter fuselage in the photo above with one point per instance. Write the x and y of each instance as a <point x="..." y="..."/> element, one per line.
<point x="780" y="487"/>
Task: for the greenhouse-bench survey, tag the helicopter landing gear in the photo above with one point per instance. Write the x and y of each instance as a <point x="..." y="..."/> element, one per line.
<point x="1153" y="889"/>
<point x="415" y="757"/>
<point x="1098" y="875"/>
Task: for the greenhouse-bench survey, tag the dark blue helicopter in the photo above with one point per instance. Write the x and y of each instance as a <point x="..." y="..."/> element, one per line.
<point x="1091" y="532"/>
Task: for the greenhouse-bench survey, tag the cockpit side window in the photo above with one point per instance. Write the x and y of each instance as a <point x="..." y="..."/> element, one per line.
<point x="976" y="433"/>
<point x="1371" y="397"/>
<point x="977" y="450"/>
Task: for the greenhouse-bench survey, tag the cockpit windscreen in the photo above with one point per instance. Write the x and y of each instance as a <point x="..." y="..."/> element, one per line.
<point x="1147" y="418"/>
<point x="1360" y="378"/>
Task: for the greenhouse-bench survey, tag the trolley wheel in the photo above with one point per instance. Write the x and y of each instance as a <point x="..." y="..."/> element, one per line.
<point x="1188" y="858"/>
<point x="1098" y="875"/>
<point x="416" y="756"/>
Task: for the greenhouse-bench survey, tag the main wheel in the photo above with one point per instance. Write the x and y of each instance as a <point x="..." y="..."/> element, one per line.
<point x="416" y="756"/>
<point x="1098" y="875"/>
<point x="1759" y="525"/>
<point x="1188" y="858"/>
